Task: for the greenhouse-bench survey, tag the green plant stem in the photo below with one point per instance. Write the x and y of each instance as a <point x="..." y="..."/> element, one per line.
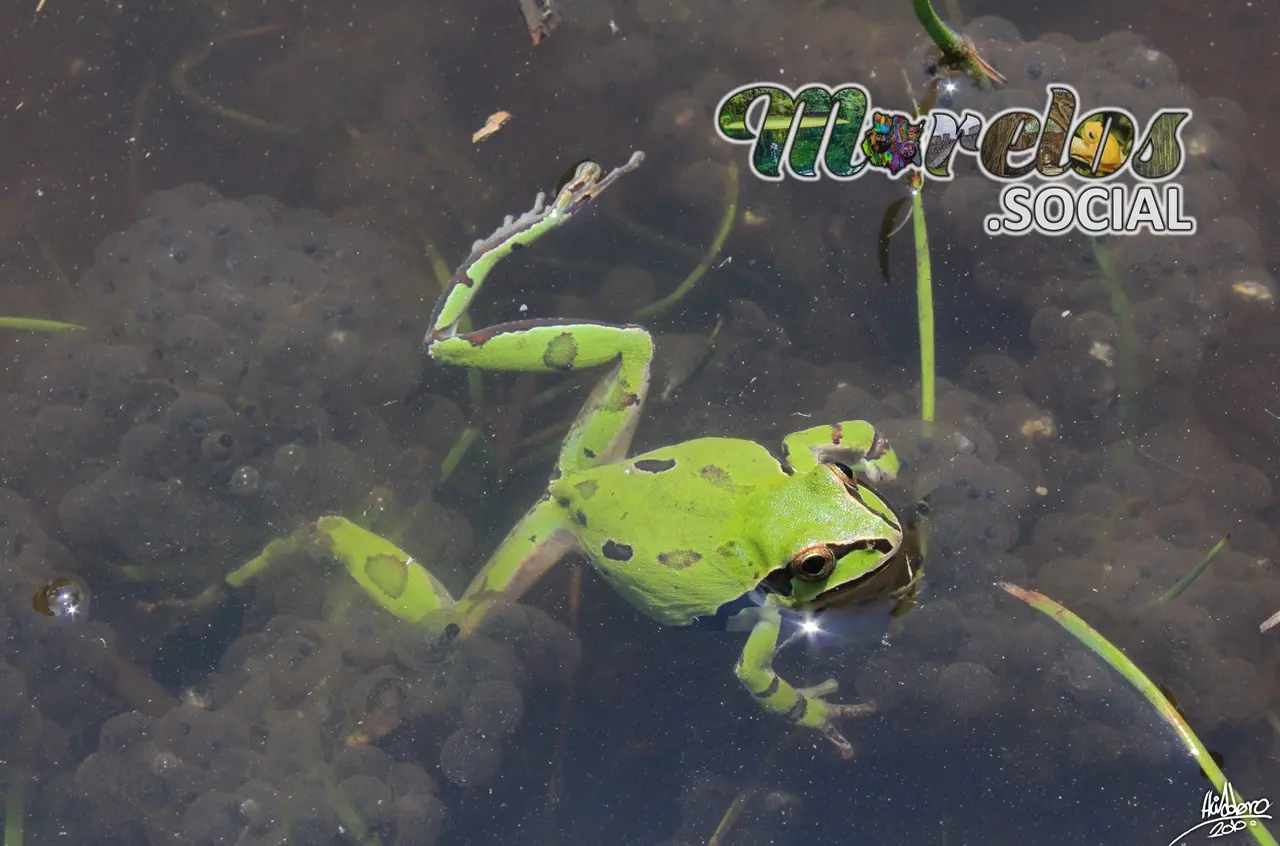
<point x="457" y="452"/>
<point x="730" y="817"/>
<point x="34" y="324"/>
<point x="1120" y="662"/>
<point x="924" y="305"/>
<point x="731" y="191"/>
<point x="948" y="42"/>
<point x="957" y="52"/>
<point x="15" y="799"/>
<point x="1185" y="582"/>
<point x="1126" y="340"/>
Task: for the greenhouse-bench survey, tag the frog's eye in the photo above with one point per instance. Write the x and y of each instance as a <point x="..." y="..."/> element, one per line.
<point x="813" y="564"/>
<point x="845" y="471"/>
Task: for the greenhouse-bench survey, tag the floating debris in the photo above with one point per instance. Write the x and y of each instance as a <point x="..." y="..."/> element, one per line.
<point x="1253" y="291"/>
<point x="540" y="17"/>
<point x="1271" y="622"/>
<point x="492" y="125"/>
<point x="1038" y="427"/>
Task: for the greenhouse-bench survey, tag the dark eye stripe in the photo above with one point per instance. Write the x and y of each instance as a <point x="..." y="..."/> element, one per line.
<point x="855" y="494"/>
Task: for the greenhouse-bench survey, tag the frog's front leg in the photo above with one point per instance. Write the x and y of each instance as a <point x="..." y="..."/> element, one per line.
<point x="854" y="443"/>
<point x="804" y="706"/>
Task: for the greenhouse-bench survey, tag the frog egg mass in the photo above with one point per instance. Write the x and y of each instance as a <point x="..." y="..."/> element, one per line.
<point x="229" y="501"/>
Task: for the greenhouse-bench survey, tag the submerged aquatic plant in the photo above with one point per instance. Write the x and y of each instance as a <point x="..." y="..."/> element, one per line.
<point x="958" y="53"/>
<point x="35" y="324"/>
<point x="1120" y="662"/>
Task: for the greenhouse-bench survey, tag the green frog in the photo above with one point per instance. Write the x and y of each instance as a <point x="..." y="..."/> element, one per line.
<point x="713" y="532"/>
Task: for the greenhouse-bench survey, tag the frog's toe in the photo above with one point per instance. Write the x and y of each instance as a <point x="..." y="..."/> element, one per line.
<point x="813" y="710"/>
<point x="841" y="743"/>
<point x="821" y="689"/>
<point x="857" y="709"/>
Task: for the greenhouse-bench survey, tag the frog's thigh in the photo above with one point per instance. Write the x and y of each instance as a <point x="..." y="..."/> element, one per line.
<point x="755" y="669"/>
<point x="603" y="428"/>
<point x="544" y="346"/>
<point x="602" y="431"/>
<point x="529" y="550"/>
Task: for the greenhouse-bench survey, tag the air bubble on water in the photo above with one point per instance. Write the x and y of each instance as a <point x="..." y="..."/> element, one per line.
<point x="65" y="599"/>
<point x="290" y="458"/>
<point x="245" y="480"/>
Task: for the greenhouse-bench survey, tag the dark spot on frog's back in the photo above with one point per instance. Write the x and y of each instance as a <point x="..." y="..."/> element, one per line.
<point x="655" y="465"/>
<point x="586" y="488"/>
<point x="717" y="476"/>
<point x="615" y="551"/>
<point x="678" y="559"/>
<point x="580" y="518"/>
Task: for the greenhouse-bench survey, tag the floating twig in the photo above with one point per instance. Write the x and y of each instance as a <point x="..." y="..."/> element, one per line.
<point x="1270" y="623"/>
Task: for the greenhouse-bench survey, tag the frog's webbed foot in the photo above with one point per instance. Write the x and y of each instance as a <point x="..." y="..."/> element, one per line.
<point x="835" y="711"/>
<point x="806" y="706"/>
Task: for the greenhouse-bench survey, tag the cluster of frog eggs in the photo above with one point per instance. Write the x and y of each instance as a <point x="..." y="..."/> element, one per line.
<point x="243" y="368"/>
<point x="1105" y="531"/>
<point x="1182" y="290"/>
<point x="60" y="672"/>
<point x="1102" y="528"/>
<point x="285" y="743"/>
<point x="243" y="365"/>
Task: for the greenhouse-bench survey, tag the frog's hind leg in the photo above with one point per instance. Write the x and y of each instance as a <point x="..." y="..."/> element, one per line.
<point x="525" y="555"/>
<point x="604" y="427"/>
<point x="854" y="443"/>
<point x="804" y="706"/>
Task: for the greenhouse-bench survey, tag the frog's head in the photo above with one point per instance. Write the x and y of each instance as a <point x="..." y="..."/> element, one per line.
<point x="830" y="536"/>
